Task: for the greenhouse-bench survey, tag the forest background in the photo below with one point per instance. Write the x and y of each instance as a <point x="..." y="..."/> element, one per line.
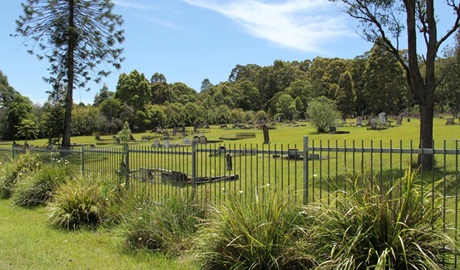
<point x="366" y="85"/>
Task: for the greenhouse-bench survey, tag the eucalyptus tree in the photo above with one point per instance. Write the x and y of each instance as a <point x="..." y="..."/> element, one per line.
<point x="384" y="23"/>
<point x="77" y="37"/>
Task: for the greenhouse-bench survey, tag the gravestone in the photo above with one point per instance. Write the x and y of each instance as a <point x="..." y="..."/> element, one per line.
<point x="183" y="131"/>
<point x="156" y="144"/>
<point x="174" y="131"/>
<point x="203" y="140"/>
<point x="399" y="119"/>
<point x="167" y="143"/>
<point x="266" y="135"/>
<point x="228" y="159"/>
<point x="166" y="136"/>
<point x="195" y="127"/>
<point x="373" y="122"/>
<point x="359" y="121"/>
<point x="382" y="118"/>
<point x="187" y="141"/>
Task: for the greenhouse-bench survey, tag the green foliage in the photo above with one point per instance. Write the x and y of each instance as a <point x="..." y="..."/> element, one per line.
<point x="38" y="188"/>
<point x="260" y="234"/>
<point x="15" y="171"/>
<point x="370" y="228"/>
<point x="322" y="113"/>
<point x="84" y="201"/>
<point x="168" y="228"/>
<point x="125" y="134"/>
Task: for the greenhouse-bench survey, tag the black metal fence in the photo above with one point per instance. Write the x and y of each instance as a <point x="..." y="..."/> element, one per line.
<point x="307" y="173"/>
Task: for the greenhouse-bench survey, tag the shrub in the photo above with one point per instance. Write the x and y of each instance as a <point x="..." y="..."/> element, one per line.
<point x="322" y="113"/>
<point x="372" y="229"/>
<point x="168" y="228"/>
<point x="260" y="234"/>
<point x="37" y="189"/>
<point x="84" y="201"/>
<point x="16" y="170"/>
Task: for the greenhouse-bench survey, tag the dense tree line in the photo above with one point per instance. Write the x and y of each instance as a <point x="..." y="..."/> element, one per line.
<point x="366" y="85"/>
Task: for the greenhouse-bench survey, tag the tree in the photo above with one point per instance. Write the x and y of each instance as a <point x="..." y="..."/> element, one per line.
<point x="286" y="106"/>
<point x="103" y="94"/>
<point x="322" y="113"/>
<point x="383" y="23"/>
<point x="345" y="98"/>
<point x="75" y="36"/>
<point x="385" y="89"/>
<point x="133" y="89"/>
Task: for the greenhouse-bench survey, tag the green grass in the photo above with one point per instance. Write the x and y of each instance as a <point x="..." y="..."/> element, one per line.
<point x="27" y="242"/>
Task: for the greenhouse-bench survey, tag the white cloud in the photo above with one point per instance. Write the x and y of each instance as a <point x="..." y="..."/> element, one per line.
<point x="132" y="4"/>
<point x="300" y="24"/>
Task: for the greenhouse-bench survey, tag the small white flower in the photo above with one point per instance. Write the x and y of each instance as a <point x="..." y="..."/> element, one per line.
<point x="241" y="191"/>
<point x="314" y="175"/>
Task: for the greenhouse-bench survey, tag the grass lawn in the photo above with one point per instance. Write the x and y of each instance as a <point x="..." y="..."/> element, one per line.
<point x="27" y="242"/>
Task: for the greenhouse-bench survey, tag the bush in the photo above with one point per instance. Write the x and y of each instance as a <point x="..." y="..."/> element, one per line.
<point x="37" y="189"/>
<point x="260" y="234"/>
<point x="85" y="201"/>
<point x="372" y="229"/>
<point x="17" y="169"/>
<point x="322" y="113"/>
<point x="167" y="228"/>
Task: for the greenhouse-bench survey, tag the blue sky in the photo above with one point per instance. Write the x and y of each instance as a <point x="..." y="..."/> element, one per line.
<point x="190" y="40"/>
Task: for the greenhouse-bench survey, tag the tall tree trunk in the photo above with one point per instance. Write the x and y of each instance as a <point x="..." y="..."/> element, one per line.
<point x="70" y="77"/>
<point x="423" y="88"/>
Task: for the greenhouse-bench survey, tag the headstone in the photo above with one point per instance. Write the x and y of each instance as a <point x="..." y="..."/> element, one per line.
<point x="332" y="130"/>
<point x="183" y="131"/>
<point x="373" y="122"/>
<point x="203" y="140"/>
<point x="382" y="118"/>
<point x="167" y="143"/>
<point x="359" y="121"/>
<point x="174" y="131"/>
<point x="228" y="159"/>
<point x="156" y="144"/>
<point x="195" y="127"/>
<point x="313" y="156"/>
<point x="187" y="141"/>
<point x="166" y="135"/>
<point x="266" y="135"/>
<point x="399" y="119"/>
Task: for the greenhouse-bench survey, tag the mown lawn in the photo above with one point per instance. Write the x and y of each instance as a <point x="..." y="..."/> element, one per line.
<point x="28" y="242"/>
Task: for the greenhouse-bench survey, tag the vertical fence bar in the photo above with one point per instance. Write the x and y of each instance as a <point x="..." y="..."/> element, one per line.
<point x="305" y="170"/>
<point x="456" y="202"/>
<point x="83" y="160"/>
<point x="126" y="169"/>
<point x="194" y="168"/>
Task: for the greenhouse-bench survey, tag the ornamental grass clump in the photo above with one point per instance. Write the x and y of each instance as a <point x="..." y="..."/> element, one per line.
<point x="38" y="188"/>
<point x="168" y="228"/>
<point x="368" y="228"/>
<point x="16" y="170"/>
<point x="83" y="202"/>
<point x="253" y="234"/>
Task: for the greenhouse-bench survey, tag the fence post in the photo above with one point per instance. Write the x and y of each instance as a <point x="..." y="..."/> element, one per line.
<point x="194" y="168"/>
<point x="12" y="151"/>
<point x="82" y="159"/>
<point x="127" y="170"/>
<point x="305" y="169"/>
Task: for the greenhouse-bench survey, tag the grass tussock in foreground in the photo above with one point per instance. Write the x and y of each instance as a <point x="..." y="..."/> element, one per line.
<point x="369" y="228"/>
